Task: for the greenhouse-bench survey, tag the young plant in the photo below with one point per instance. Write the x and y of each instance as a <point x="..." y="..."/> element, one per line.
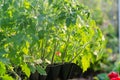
<point x="33" y="32"/>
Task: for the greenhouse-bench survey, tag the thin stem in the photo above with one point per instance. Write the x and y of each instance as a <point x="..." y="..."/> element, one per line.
<point x="79" y="52"/>
<point x="65" y="51"/>
<point x="55" y="45"/>
<point x="42" y="50"/>
<point x="17" y="76"/>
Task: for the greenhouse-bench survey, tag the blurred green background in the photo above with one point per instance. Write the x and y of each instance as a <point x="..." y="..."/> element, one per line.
<point x="105" y="14"/>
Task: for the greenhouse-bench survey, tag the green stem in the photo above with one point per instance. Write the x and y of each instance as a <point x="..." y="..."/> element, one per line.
<point x="55" y="45"/>
<point x="42" y="55"/>
<point x="45" y="49"/>
<point x="65" y="51"/>
<point x="79" y="52"/>
<point x="17" y="76"/>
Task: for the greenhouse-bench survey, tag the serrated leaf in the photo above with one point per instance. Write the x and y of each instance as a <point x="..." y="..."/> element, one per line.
<point x="41" y="70"/>
<point x="25" y="69"/>
<point x="32" y="68"/>
<point x="85" y="62"/>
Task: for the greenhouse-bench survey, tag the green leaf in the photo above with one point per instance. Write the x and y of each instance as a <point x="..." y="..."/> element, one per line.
<point x="7" y="77"/>
<point x="100" y="55"/>
<point x="26" y="70"/>
<point x="41" y="70"/>
<point x="85" y="62"/>
<point x="2" y="69"/>
<point x="4" y="60"/>
<point x="41" y="34"/>
<point x="50" y="1"/>
<point x="26" y="4"/>
<point x="103" y="76"/>
<point x="68" y="21"/>
<point x="5" y="7"/>
<point x="32" y="68"/>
